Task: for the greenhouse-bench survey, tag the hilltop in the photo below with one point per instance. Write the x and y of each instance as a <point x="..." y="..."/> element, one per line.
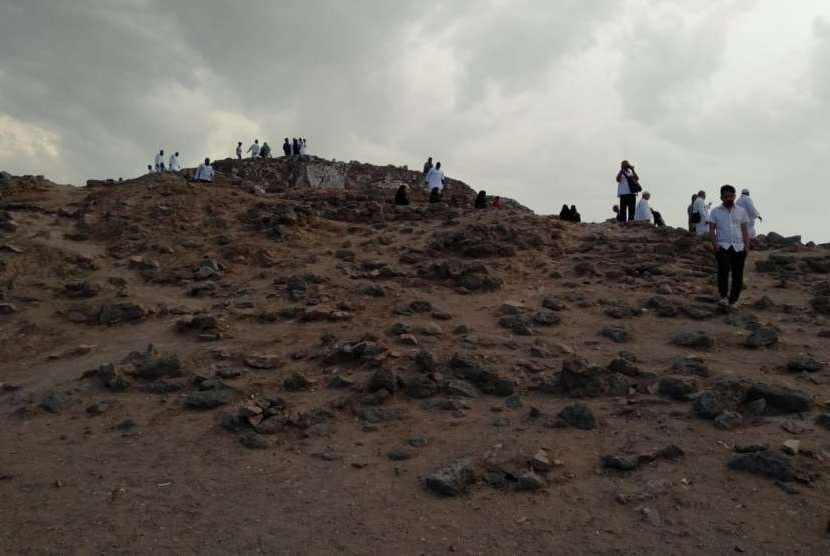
<point x="284" y="361"/>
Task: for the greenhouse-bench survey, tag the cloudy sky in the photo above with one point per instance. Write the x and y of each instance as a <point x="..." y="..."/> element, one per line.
<point x="533" y="99"/>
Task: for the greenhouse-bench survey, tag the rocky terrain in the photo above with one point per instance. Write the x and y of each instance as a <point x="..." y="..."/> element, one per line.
<point x="285" y="362"/>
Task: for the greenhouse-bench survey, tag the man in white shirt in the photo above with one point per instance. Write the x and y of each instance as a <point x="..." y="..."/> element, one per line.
<point x="204" y="172"/>
<point x="159" y="162"/>
<point x="643" y="212"/>
<point x="173" y="166"/>
<point x="628" y="184"/>
<point x="745" y="202"/>
<point x="254" y="149"/>
<point x="700" y="214"/>
<point x="729" y="234"/>
<point x="435" y="178"/>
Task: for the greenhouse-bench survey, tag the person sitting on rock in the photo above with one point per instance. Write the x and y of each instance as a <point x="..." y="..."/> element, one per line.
<point x="575" y="216"/>
<point x="265" y="151"/>
<point x="286" y="147"/>
<point x="435" y="195"/>
<point x="643" y="212"/>
<point x="149" y="169"/>
<point x="481" y="200"/>
<point x="658" y="219"/>
<point x="204" y="172"/>
<point x="254" y="149"/>
<point x="497" y="202"/>
<point x="401" y="198"/>
<point x="565" y="214"/>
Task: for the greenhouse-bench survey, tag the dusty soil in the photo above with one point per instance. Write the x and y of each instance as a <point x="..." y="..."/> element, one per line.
<point x="335" y="459"/>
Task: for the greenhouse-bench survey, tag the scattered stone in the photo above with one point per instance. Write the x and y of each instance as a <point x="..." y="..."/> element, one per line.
<point x="578" y="379"/>
<point x="696" y="339"/>
<point x="546" y="317"/>
<point x="749" y="448"/>
<point x="529" y="482"/>
<point x="425" y="361"/>
<point x="708" y="405"/>
<point x="791" y="447"/>
<point x="768" y="463"/>
<point x="341" y="382"/>
<point x="615" y="334"/>
<point x="624" y="366"/>
<point x="690" y="365"/>
<point x="126" y="425"/>
<point x="54" y="402"/>
<point x="433" y="329"/>
<point x="518" y="324"/>
<point x="296" y="382"/>
<point x="579" y="416"/>
<point x="421" y="387"/>
<point x="677" y="387"/>
<point x="452" y="480"/>
<point x="781" y="398"/>
<point x="383" y="379"/>
<point x="796" y="427"/>
<point x="263" y="362"/>
<point x="804" y="363"/>
<point x="416" y="441"/>
<point x="209" y="399"/>
<point x="408" y="339"/>
<point x="400" y="454"/>
<point x="651" y="516"/>
<point x="621" y="462"/>
<point x="728" y="420"/>
<point x="253" y="441"/>
<point x="823" y="420"/>
<point x="152" y="365"/>
<point x="763" y="336"/>
<point x="99" y="408"/>
<point x="461" y="389"/>
<point x="540" y="462"/>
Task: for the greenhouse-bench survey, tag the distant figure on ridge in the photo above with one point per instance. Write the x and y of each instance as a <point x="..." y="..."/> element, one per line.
<point x="239" y="151"/>
<point x="435" y="195"/>
<point x="691" y="209"/>
<point x="745" y="202"/>
<point x="149" y="168"/>
<point x="575" y="216"/>
<point x="643" y="212"/>
<point x="628" y="185"/>
<point x="174" y="166"/>
<point x="435" y="178"/>
<point x="497" y="202"/>
<point x="265" y="151"/>
<point x="401" y="198"/>
<point x="565" y="214"/>
<point x="427" y="168"/>
<point x="204" y="172"/>
<point x="481" y="200"/>
<point x="302" y="146"/>
<point x="286" y="147"/>
<point x="729" y="234"/>
<point x="658" y="219"/>
<point x="700" y="214"/>
<point x="254" y="149"/>
<point x="295" y="147"/>
<point x="159" y="162"/>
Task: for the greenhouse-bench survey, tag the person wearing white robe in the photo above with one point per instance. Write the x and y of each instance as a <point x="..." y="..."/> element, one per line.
<point x="159" y="162"/>
<point x="643" y="212"/>
<point x="302" y="147"/>
<point x="254" y="149"/>
<point x="745" y="202"/>
<point x="173" y="165"/>
<point x="239" y="151"/>
<point x="702" y="226"/>
<point x="435" y="178"/>
<point x="204" y="172"/>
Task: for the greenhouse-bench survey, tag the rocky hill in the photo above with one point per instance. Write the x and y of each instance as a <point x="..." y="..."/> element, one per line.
<point x="285" y="362"/>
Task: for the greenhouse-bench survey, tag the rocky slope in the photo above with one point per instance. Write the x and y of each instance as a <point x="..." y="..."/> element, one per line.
<point x="285" y="362"/>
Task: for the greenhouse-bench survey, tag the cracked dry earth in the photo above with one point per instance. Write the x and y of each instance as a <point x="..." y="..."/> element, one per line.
<point x="191" y="369"/>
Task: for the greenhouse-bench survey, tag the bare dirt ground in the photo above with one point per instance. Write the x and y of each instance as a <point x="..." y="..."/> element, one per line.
<point x="397" y="342"/>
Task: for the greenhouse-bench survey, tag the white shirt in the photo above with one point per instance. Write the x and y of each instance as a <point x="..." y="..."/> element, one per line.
<point x="204" y="172"/>
<point x="254" y="150"/>
<point x="728" y="226"/>
<point x="643" y="212"/>
<point x="435" y="178"/>
<point x="745" y="202"/>
<point x="239" y="150"/>
<point x="700" y="206"/>
<point x="159" y="161"/>
<point x="622" y="185"/>
<point x="174" y="164"/>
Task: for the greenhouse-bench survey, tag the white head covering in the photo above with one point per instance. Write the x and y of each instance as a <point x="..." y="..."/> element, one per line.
<point x="744" y="191"/>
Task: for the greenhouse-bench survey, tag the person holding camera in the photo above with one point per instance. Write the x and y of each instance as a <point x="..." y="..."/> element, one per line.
<point x="628" y="185"/>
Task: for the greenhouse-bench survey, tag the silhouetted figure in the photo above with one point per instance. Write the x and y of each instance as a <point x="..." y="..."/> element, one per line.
<point x="481" y="200"/>
<point x="628" y="185"/>
<point x="401" y="198"/>
<point x="565" y="214"/>
<point x="295" y="147"/>
<point x="691" y="210"/>
<point x="239" y="151"/>
<point x="658" y="219"/>
<point x="427" y="168"/>
<point x="286" y="147"/>
<point x="254" y="149"/>
<point x="497" y="202"/>
<point x="149" y="168"/>
<point x="435" y="195"/>
<point x="302" y="146"/>
<point x="204" y="172"/>
<point x="265" y="151"/>
<point x="575" y="216"/>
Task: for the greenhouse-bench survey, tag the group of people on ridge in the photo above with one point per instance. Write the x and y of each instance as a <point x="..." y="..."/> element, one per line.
<point x="158" y="166"/>
<point x="296" y="147"/>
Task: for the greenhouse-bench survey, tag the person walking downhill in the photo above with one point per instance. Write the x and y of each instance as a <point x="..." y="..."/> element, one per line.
<point x="745" y="202"/>
<point x="628" y="185"/>
<point x="700" y="214"/>
<point x="729" y="235"/>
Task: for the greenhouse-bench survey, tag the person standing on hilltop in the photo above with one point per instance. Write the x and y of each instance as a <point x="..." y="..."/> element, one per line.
<point x="745" y="202"/>
<point x="628" y="185"/>
<point x="575" y="216"/>
<point x="481" y="200"/>
<point x="265" y="151"/>
<point x="729" y="234"/>
<point x="427" y="168"/>
<point x="700" y="214"/>
<point x="643" y="212"/>
<point x="239" y="151"/>
<point x="204" y="172"/>
<point x="174" y="165"/>
<point x="254" y="149"/>
<point x="302" y="146"/>
<point x="286" y="147"/>
<point x="295" y="147"/>
<point x="497" y="202"/>
<point x="159" y="162"/>
<point x="435" y="178"/>
<point x="690" y="210"/>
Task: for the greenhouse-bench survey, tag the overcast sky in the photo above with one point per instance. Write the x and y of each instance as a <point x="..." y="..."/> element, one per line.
<point x="533" y="99"/>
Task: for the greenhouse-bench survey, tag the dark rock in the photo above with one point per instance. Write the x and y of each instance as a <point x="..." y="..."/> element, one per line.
<point x="253" y="441"/>
<point x="296" y="382"/>
<point x="416" y="441"/>
<point x="677" y="387"/>
<point x="804" y="363"/>
<point x="728" y="420"/>
<point x="553" y="304"/>
<point x="425" y="361"/>
<point x="461" y="389"/>
<point x="126" y="425"/>
<point x="624" y="366"/>
<point x="209" y="399"/>
<point x="529" y="482"/>
<point x="762" y="337"/>
<point x="696" y="339"/>
<point x="615" y="334"/>
<point x="546" y="317"/>
<point x="518" y="324"/>
<point x="781" y="398"/>
<point x="54" y="402"/>
<point x="400" y="454"/>
<point x="578" y="379"/>
<point x="697" y="312"/>
<point x="823" y="420"/>
<point x="769" y="463"/>
<point x="621" y="462"/>
<point x="452" y="480"/>
<point x="421" y="387"/>
<point x="152" y="365"/>
<point x="262" y="362"/>
<point x="340" y="381"/>
<point x="99" y="408"/>
<point x="690" y="365"/>
<point x="621" y="312"/>
<point x="708" y="405"/>
<point x="383" y="379"/>
<point x="578" y="415"/>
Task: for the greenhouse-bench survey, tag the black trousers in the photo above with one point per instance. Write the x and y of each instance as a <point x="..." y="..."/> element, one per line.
<point x="627" y="203"/>
<point x="732" y="261"/>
